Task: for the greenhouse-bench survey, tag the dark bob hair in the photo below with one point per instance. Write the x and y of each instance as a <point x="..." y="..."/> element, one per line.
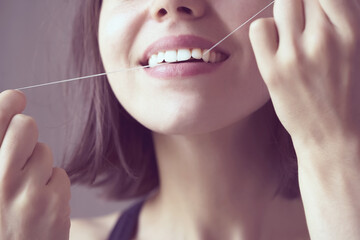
<point x="112" y="149"/>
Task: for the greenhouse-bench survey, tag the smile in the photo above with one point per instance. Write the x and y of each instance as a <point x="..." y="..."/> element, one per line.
<point x="175" y="57"/>
<point x="186" y="55"/>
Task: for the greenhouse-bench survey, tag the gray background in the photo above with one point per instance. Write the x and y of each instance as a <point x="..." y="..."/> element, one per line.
<point x="34" y="43"/>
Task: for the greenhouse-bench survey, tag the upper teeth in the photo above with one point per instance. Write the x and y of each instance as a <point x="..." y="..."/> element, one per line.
<point x="185" y="54"/>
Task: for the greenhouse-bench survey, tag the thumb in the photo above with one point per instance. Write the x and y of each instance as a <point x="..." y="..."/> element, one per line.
<point x="264" y="39"/>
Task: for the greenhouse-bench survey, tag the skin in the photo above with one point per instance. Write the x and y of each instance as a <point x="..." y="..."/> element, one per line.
<point x="315" y="94"/>
<point x="213" y="140"/>
<point x="201" y="130"/>
<point x="218" y="128"/>
<point x="34" y="196"/>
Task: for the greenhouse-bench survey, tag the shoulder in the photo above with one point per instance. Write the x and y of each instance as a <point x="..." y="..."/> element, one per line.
<point x="97" y="228"/>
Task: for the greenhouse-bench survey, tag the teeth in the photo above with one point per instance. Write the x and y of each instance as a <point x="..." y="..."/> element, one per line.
<point x="153" y="60"/>
<point x="181" y="55"/>
<point x="196" y="53"/>
<point x="212" y="57"/>
<point x="218" y="57"/>
<point x="206" y="57"/>
<point x="170" y="56"/>
<point x="160" y="57"/>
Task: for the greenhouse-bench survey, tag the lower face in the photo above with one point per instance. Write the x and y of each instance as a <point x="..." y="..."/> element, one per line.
<point x="185" y="97"/>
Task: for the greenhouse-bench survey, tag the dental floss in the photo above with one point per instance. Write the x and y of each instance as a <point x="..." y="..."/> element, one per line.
<point x="137" y="68"/>
<point x="84" y="77"/>
<point x="238" y="28"/>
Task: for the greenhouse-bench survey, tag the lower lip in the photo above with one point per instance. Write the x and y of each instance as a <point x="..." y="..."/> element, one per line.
<point x="185" y="69"/>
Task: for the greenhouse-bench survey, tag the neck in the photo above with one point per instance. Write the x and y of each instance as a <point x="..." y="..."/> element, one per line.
<point x="224" y="180"/>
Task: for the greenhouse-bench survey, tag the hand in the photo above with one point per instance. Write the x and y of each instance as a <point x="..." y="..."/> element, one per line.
<point x="34" y="196"/>
<point x="309" y="57"/>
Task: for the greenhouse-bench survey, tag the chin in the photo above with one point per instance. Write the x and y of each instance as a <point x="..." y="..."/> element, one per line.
<point x="191" y="114"/>
<point x="182" y="129"/>
<point x="185" y="125"/>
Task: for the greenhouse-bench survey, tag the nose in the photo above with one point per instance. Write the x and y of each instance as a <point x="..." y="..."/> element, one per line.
<point x="177" y="9"/>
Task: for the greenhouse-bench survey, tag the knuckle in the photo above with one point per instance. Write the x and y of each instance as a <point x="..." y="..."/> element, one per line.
<point x="45" y="152"/>
<point x="25" y="124"/>
<point x="291" y="57"/>
<point x="27" y="121"/>
<point x="4" y="118"/>
<point x="59" y="171"/>
<point x="260" y="28"/>
<point x="319" y="42"/>
<point x="41" y="159"/>
<point x="295" y="57"/>
<point x="62" y="176"/>
<point x="258" y="25"/>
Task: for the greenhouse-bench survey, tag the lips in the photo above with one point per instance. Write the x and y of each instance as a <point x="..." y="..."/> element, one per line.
<point x="184" y="48"/>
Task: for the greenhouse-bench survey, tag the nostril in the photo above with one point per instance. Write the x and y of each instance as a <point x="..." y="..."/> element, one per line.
<point x="162" y="12"/>
<point x="185" y="10"/>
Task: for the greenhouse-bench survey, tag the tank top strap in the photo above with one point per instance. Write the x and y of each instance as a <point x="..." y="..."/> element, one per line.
<point x="126" y="226"/>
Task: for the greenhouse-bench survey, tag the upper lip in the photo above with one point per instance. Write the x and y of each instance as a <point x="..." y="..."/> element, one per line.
<point x="178" y="42"/>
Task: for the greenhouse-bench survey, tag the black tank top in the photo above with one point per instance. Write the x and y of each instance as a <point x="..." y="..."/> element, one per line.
<point x="126" y="226"/>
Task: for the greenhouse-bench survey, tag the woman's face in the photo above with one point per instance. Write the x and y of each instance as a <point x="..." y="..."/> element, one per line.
<point x="187" y="96"/>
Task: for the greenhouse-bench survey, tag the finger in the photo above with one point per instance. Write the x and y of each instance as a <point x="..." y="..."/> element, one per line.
<point x="18" y="144"/>
<point x="315" y="16"/>
<point x="342" y="13"/>
<point x="11" y="102"/>
<point x="60" y="182"/>
<point x="38" y="169"/>
<point x="264" y="40"/>
<point x="289" y="18"/>
<point x="58" y="188"/>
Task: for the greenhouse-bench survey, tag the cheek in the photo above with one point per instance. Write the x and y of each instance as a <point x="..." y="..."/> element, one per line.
<point x="115" y="39"/>
<point x="109" y="41"/>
